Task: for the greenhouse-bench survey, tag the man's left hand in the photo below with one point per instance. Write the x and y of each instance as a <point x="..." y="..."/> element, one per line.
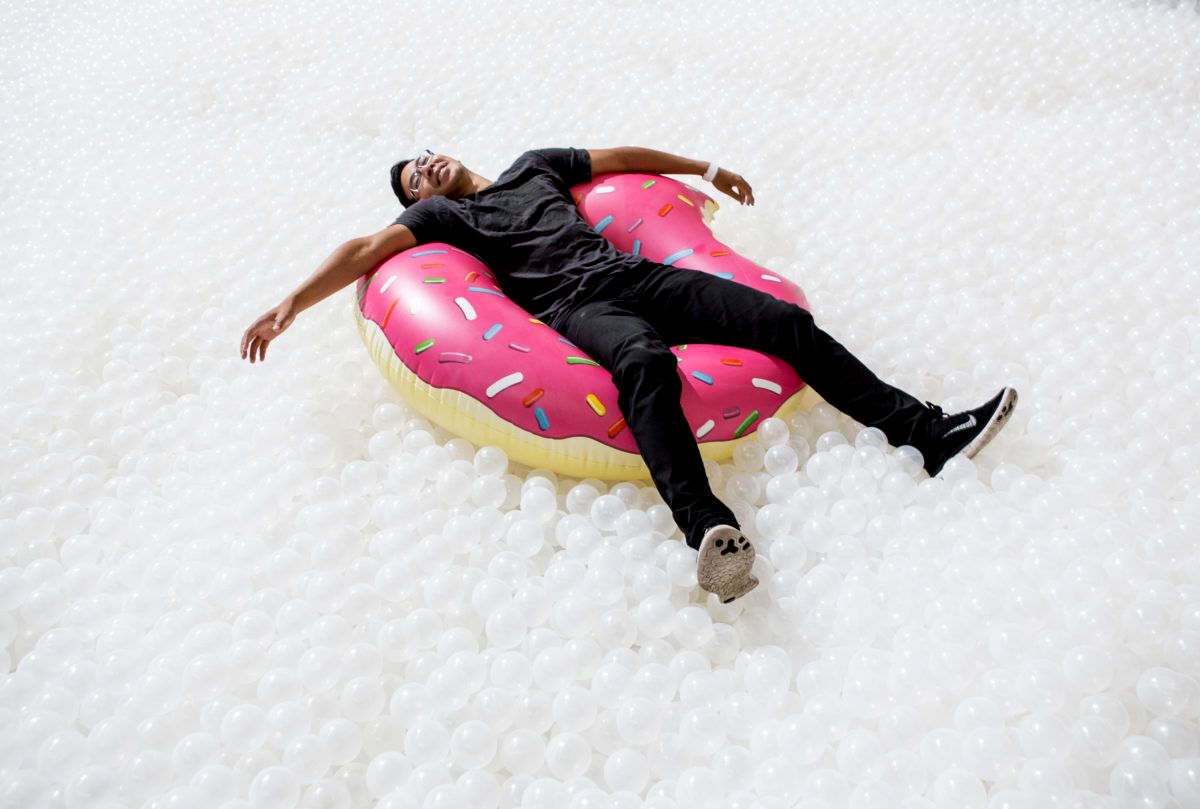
<point x="734" y="185"/>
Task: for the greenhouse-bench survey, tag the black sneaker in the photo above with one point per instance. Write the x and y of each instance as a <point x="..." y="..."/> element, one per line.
<point x="966" y="432"/>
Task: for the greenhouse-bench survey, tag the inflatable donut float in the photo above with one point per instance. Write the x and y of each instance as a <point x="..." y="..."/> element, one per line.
<point x="472" y="361"/>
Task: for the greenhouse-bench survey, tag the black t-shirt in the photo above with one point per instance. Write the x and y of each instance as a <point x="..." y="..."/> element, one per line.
<point x="525" y="228"/>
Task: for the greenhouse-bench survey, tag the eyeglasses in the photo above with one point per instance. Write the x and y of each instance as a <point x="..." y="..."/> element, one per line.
<point x="414" y="181"/>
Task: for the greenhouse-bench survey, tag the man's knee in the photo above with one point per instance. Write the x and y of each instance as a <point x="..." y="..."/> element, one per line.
<point x="645" y="362"/>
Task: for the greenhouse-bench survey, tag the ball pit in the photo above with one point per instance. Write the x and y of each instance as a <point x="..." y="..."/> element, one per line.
<point x="198" y="558"/>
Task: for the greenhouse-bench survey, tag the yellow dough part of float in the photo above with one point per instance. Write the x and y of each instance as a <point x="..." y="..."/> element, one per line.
<point x="472" y="361"/>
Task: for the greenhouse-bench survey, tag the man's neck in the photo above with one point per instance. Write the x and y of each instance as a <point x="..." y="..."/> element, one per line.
<point x="478" y="183"/>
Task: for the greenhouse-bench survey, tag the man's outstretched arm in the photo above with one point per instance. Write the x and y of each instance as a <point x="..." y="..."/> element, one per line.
<point x="348" y="262"/>
<point x="651" y="161"/>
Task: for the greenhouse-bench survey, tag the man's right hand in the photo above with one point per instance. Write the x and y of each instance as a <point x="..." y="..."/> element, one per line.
<point x="268" y="326"/>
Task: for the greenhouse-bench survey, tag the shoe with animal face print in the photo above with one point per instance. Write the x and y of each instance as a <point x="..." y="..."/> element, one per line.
<point x="723" y="567"/>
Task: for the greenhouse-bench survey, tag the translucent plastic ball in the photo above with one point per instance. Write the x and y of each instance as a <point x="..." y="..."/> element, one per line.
<point x="1163" y="691"/>
<point x="823" y="469"/>
<point x="580" y="498"/>
<point x="605" y="510"/>
<point x="344" y="739"/>
<point x="773" y="432"/>
<point x="473" y="745"/>
<point x="639" y="721"/>
<point x="506" y="627"/>
<point x="244" y="728"/>
<point x="568" y="755"/>
<point x="1185" y="781"/>
<point x="1046" y="779"/>
<point x="538" y="504"/>
<point x="574" y="709"/>
<point x="426" y="742"/>
<point x="1174" y="735"/>
<point x="959" y="788"/>
<point x="522" y="751"/>
<point x="274" y="788"/>
<point x="545" y="793"/>
<point x="491" y="462"/>
<point x="781" y="460"/>
<point x="362" y="698"/>
<point x="387" y="772"/>
<point x="525" y="536"/>
<point x="307" y="757"/>
<point x="1134" y="784"/>
<point x="700" y="787"/>
<point x="626" y="769"/>
<point x="445" y="796"/>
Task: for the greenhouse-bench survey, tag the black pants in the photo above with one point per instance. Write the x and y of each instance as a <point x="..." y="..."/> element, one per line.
<point x="628" y="327"/>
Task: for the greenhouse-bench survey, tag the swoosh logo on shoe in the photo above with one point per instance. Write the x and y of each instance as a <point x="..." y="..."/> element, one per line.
<point x="970" y="422"/>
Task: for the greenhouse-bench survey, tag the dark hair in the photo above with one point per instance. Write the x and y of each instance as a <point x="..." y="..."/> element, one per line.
<point x="397" y="189"/>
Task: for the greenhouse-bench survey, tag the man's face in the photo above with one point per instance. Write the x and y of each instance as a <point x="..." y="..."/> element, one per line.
<point x="441" y="176"/>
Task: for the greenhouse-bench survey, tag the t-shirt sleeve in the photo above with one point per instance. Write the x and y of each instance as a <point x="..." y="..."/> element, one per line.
<point x="426" y="220"/>
<point x="574" y="166"/>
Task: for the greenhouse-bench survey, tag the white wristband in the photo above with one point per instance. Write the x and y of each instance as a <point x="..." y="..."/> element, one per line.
<point x="709" y="175"/>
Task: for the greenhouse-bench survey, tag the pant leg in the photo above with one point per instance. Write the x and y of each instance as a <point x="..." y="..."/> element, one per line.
<point x="645" y="372"/>
<point x="689" y="306"/>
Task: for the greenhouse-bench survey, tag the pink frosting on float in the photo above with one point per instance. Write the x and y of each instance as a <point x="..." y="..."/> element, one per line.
<point x="449" y="323"/>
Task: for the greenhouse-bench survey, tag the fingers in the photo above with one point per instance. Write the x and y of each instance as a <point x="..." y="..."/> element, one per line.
<point x="746" y="193"/>
<point x="740" y="190"/>
<point x="254" y="347"/>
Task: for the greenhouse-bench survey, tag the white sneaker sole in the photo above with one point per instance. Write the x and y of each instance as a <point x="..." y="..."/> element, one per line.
<point x="726" y="557"/>
<point x="1008" y="401"/>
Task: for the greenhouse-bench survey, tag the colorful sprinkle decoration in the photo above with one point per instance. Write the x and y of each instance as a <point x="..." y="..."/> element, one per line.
<point x="492" y="330"/>
<point x="766" y="384"/>
<point x="581" y="361"/>
<point x="705" y="428"/>
<point x="745" y="423"/>
<point x="465" y="306"/>
<point x="596" y="405"/>
<point x="533" y="396"/>
<point x="388" y="315"/>
<point x="703" y="377"/>
<point x="540" y="415"/>
<point x="671" y="259"/>
<point x="503" y="383"/>
<point x="424" y="345"/>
